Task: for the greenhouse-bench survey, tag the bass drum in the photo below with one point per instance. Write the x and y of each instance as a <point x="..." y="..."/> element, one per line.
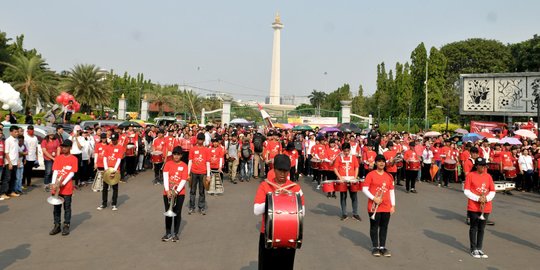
<point x="283" y="220"/>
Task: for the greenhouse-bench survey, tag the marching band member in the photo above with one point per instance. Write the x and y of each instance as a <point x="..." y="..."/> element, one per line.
<point x="346" y="167"/>
<point x="198" y="168"/>
<point x="391" y="167"/>
<point x="379" y="188"/>
<point x="411" y="172"/>
<point x="368" y="158"/>
<point x="64" y="167"/>
<point x="216" y="152"/>
<point x="332" y="152"/>
<point x="450" y="156"/>
<point x="272" y="147"/>
<point x="175" y="175"/>
<point x="427" y="160"/>
<point x="131" y="144"/>
<point x="99" y="152"/>
<point x="278" y="258"/>
<point x="292" y="153"/>
<point x="317" y="153"/>
<point x="158" y="145"/>
<point x="112" y="158"/>
<point x="480" y="191"/>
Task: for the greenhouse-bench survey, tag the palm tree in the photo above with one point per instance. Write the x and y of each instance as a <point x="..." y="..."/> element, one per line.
<point x="316" y="98"/>
<point x="163" y="95"/>
<point x="192" y="100"/>
<point x="88" y="84"/>
<point x="30" y="75"/>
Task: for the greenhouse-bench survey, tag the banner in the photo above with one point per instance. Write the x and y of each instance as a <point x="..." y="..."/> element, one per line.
<point x="478" y="126"/>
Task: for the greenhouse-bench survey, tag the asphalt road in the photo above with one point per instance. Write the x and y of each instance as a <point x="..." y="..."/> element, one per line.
<point x="426" y="232"/>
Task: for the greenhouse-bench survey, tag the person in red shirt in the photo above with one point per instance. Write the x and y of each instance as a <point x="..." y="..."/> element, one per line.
<point x="216" y="152"/>
<point x="346" y="167"/>
<point x="480" y="191"/>
<point x="158" y="145"/>
<point x="198" y="169"/>
<point x="292" y="153"/>
<point x="175" y="175"/>
<point x="50" y="147"/>
<point x="412" y="166"/>
<point x="317" y="155"/>
<point x="391" y="167"/>
<point x="275" y="258"/>
<point x="112" y="158"/>
<point x="99" y="153"/>
<point x="368" y="159"/>
<point x="272" y="147"/>
<point x="379" y="188"/>
<point x="437" y="151"/>
<point x="64" y="168"/>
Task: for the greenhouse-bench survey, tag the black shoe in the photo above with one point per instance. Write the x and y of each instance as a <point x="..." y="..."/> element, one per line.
<point x="413" y="191"/>
<point x="385" y="252"/>
<point x="399" y="184"/>
<point x="167" y="237"/>
<point x="203" y="212"/>
<point x="344" y="217"/>
<point x="55" y="230"/>
<point x="65" y="229"/>
<point x="357" y="217"/>
<point x="334" y="195"/>
<point x="376" y="252"/>
<point x="175" y="238"/>
<point x="328" y="195"/>
<point x="234" y="182"/>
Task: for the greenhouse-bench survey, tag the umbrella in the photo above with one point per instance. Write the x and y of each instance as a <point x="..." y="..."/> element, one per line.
<point x="350" y="127"/>
<point x="486" y="135"/>
<point x="525" y="133"/>
<point x="126" y="124"/>
<point x="510" y="140"/>
<point x="471" y="137"/>
<point x="461" y="131"/>
<point x="432" y="134"/>
<point x="302" y="128"/>
<point x="239" y="121"/>
<point x="493" y="140"/>
<point x="433" y="171"/>
<point x="330" y="129"/>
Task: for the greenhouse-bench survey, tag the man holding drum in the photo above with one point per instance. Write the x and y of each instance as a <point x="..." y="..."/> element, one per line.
<point x="346" y="169"/>
<point x="412" y="167"/>
<point x="379" y="188"/>
<point x="276" y="258"/>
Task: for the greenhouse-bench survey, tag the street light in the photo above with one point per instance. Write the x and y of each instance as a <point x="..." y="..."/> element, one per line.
<point x="447" y="117"/>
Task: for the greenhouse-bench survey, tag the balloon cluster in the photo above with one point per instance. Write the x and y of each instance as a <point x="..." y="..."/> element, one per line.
<point x="10" y="98"/>
<point x="64" y="99"/>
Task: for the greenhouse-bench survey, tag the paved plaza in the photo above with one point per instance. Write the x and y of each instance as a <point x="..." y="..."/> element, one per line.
<point x="426" y="232"/>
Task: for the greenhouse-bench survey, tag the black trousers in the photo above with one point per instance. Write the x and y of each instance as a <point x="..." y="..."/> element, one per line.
<point x="447" y="176"/>
<point x="131" y="165"/>
<point x="105" y="194"/>
<point x="27" y="175"/>
<point x="9" y="178"/>
<point x="476" y="229"/>
<point x="378" y="228"/>
<point x="426" y="175"/>
<point x="158" y="175"/>
<point x="177" y="209"/>
<point x="197" y="181"/>
<point x="293" y="174"/>
<point x="410" y="179"/>
<point x="307" y="166"/>
<point x="57" y="210"/>
<point x="316" y="175"/>
<point x="77" y="175"/>
<point x="274" y="259"/>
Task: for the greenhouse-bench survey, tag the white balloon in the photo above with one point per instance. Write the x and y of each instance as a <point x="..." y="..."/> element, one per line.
<point x="5" y="107"/>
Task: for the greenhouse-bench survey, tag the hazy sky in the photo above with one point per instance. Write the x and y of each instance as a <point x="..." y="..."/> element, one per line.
<point x="227" y="45"/>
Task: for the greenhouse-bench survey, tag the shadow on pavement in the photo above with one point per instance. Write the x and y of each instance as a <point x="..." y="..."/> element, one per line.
<point x="526" y="197"/>
<point x="326" y="209"/>
<point x="534" y="214"/>
<point x="122" y="199"/>
<point x="253" y="265"/>
<point x="182" y="226"/>
<point x="445" y="214"/>
<point x="78" y="219"/>
<point x="10" y="256"/>
<point x="3" y="208"/>
<point x="357" y="237"/>
<point x="446" y="239"/>
<point x="514" y="239"/>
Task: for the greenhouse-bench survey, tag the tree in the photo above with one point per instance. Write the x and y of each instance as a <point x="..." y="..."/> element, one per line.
<point x="526" y="55"/>
<point x="403" y="85"/>
<point x="438" y="92"/>
<point x="316" y="98"/>
<point x="4" y="52"/>
<point x="163" y="95"/>
<point x="332" y="100"/>
<point x="89" y="86"/>
<point x="418" y="77"/>
<point x="31" y="77"/>
<point x="359" y="103"/>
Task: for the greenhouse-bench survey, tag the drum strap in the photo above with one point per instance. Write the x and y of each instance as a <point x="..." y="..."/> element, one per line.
<point x="279" y="188"/>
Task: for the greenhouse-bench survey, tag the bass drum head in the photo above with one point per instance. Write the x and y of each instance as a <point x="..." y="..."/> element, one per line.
<point x="268" y="221"/>
<point x="300" y="221"/>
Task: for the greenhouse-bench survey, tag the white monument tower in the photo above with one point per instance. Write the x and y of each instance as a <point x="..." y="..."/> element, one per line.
<point x="276" y="63"/>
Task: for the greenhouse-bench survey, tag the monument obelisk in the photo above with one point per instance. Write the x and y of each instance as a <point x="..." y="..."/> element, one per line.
<point x="275" y="80"/>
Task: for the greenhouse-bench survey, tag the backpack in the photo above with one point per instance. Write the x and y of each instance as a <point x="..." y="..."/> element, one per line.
<point x="258" y="143"/>
<point x="246" y="150"/>
<point x="298" y="145"/>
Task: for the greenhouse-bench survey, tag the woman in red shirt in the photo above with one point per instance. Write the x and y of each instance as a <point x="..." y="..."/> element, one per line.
<point x="175" y="175"/>
<point x="51" y="148"/>
<point x="381" y="183"/>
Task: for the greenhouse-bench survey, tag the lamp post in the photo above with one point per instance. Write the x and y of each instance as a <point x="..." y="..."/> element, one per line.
<point x="447" y="116"/>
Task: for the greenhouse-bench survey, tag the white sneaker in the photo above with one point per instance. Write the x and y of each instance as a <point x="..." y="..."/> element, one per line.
<point x="318" y="186"/>
<point x="476" y="254"/>
<point x="101" y="207"/>
<point x="482" y="254"/>
<point x="114" y="208"/>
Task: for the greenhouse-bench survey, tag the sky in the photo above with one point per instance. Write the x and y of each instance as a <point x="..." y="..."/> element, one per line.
<point x="226" y="46"/>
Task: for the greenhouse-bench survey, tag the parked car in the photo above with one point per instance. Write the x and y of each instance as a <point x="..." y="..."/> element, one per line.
<point x="167" y="120"/>
<point x="107" y="124"/>
<point x="40" y="132"/>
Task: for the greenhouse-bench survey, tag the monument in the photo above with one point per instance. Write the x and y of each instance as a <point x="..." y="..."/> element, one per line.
<point x="274" y="98"/>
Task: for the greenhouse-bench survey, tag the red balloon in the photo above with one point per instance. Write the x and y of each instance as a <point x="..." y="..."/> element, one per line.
<point x="59" y="99"/>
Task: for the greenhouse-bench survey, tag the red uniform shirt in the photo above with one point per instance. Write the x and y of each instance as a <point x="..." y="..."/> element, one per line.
<point x="478" y="183"/>
<point x="99" y="149"/>
<point x="216" y="155"/>
<point x="331" y="154"/>
<point x="389" y="155"/>
<point x="170" y="143"/>
<point x="507" y="159"/>
<point x="436" y="153"/>
<point x="159" y="145"/>
<point x="64" y="165"/>
<point x="51" y="146"/>
<point x="264" y="188"/>
<point x="468" y="166"/>
<point x="369" y="158"/>
<point x="113" y="154"/>
<point x="199" y="156"/>
<point x="464" y="156"/>
<point x="293" y="155"/>
<point x="318" y="151"/>
<point x="273" y="148"/>
<point x="2" y="149"/>
<point x="375" y="181"/>
<point x="346" y="165"/>
<point x="177" y="172"/>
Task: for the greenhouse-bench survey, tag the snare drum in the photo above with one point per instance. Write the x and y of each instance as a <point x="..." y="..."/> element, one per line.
<point x="340" y="186"/>
<point x="412" y="165"/>
<point x="315" y="163"/>
<point x="130" y="150"/>
<point x="500" y="185"/>
<point x="450" y="165"/>
<point x="399" y="164"/>
<point x="510" y="172"/>
<point x="156" y="157"/>
<point x="328" y="186"/>
<point x="510" y="186"/>
<point x="354" y="185"/>
<point x="492" y="166"/>
<point x="283" y="220"/>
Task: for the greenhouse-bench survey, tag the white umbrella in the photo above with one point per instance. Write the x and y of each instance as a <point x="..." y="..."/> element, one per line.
<point x="525" y="133"/>
<point x="240" y="121"/>
<point x="432" y="134"/>
<point x="493" y="140"/>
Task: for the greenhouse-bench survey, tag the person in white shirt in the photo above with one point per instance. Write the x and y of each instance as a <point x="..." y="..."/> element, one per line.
<point x="427" y="158"/>
<point x="526" y="168"/>
<point x="76" y="150"/>
<point x="32" y="146"/>
<point x="86" y="153"/>
<point x="11" y="160"/>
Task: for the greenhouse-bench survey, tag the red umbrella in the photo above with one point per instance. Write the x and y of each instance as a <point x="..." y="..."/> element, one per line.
<point x="486" y="135"/>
